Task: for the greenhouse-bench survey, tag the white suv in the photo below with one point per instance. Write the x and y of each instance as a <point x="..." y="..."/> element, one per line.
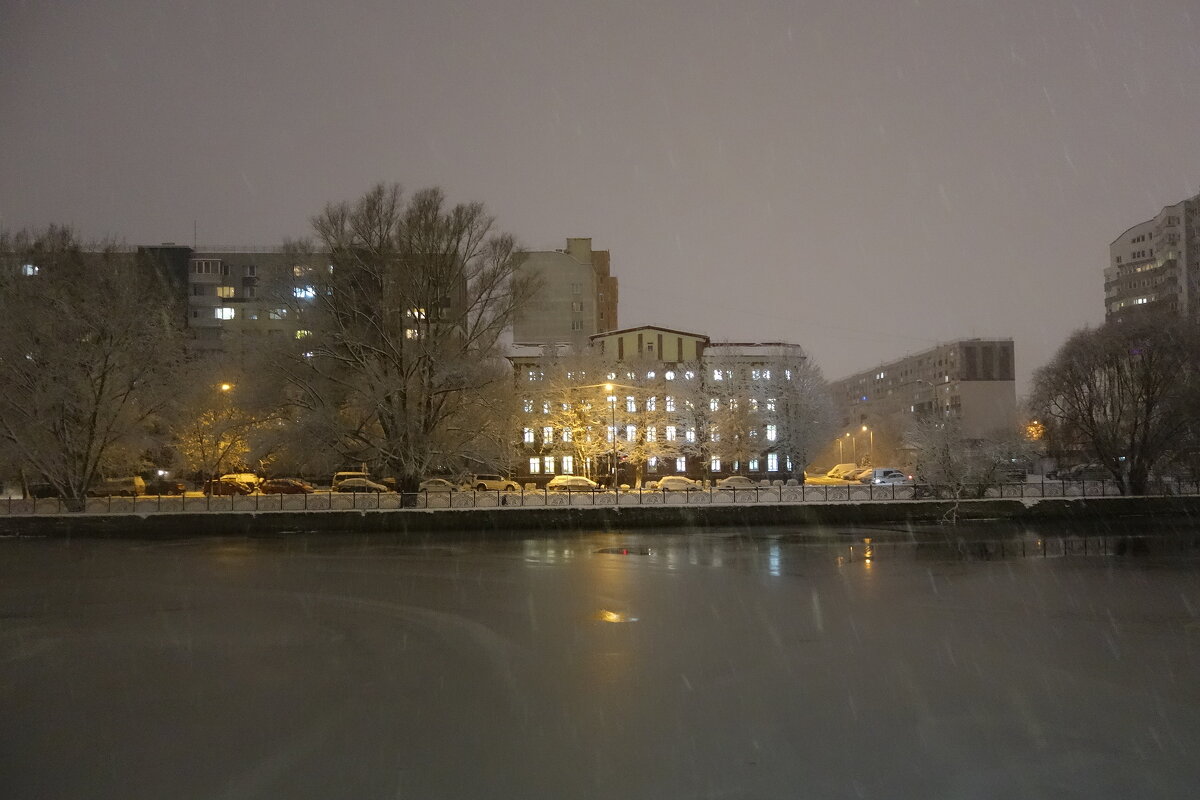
<point x="489" y="482"/>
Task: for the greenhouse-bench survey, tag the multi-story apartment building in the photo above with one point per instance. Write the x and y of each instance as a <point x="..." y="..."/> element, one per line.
<point x="223" y="289"/>
<point x="971" y="380"/>
<point x="578" y="295"/>
<point x="657" y="401"/>
<point x="1155" y="265"/>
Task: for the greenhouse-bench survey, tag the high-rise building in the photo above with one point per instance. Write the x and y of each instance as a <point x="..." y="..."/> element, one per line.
<point x="971" y="380"/>
<point x="577" y="298"/>
<point x="1155" y="265"/>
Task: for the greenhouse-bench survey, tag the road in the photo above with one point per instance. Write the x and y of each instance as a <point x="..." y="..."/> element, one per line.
<point x="688" y="665"/>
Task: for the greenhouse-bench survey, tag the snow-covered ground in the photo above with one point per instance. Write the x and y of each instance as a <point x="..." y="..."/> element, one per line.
<point x="636" y="666"/>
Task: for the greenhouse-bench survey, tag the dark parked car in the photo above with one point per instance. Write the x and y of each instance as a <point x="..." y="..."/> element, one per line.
<point x="219" y="487"/>
<point x="165" y="486"/>
<point x="42" y="491"/>
<point x="284" y="486"/>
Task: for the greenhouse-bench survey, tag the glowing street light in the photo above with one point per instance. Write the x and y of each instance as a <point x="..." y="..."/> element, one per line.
<point x="612" y="401"/>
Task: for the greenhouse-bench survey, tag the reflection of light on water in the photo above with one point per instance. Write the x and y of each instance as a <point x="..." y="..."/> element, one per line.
<point x="773" y="559"/>
<point x="604" y="615"/>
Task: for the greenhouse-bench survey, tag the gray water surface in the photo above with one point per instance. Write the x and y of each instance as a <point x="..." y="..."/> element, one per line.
<point x="714" y="664"/>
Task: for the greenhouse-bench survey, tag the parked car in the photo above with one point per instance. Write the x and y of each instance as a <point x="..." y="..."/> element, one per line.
<point x="41" y="491"/>
<point x="226" y="488"/>
<point x="857" y="475"/>
<point x="359" y="485"/>
<point x="246" y="479"/>
<point x="131" y="486"/>
<point x="165" y="486"/>
<point x="338" y="477"/>
<point x="886" y="475"/>
<point x="1086" y="472"/>
<point x="838" y="472"/>
<point x="736" y="482"/>
<point x="492" y="482"/>
<point x="437" y="485"/>
<point x="285" y="486"/>
<point x="678" y="483"/>
<point x="571" y="483"/>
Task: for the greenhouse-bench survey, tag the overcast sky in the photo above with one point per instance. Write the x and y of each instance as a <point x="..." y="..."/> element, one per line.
<point x="863" y="178"/>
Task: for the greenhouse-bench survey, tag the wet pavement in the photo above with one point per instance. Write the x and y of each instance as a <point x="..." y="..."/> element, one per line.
<point x="983" y="664"/>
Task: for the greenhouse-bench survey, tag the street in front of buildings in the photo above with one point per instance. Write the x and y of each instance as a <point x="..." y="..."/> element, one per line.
<point x="990" y="663"/>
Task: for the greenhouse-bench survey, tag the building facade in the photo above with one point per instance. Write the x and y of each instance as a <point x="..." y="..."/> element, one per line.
<point x="1155" y="265"/>
<point x="225" y="291"/>
<point x="651" y="401"/>
<point x="578" y="295"/>
<point x="971" y="380"/>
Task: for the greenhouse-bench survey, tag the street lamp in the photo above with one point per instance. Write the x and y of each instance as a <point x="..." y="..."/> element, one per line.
<point x="871" y="453"/>
<point x="612" y="401"/>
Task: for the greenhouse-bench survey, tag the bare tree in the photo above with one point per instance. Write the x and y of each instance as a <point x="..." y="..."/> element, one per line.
<point x="1125" y="393"/>
<point x="400" y="309"/>
<point x="89" y="346"/>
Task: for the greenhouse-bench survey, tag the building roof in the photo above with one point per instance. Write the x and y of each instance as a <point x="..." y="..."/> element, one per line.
<point x="649" y="328"/>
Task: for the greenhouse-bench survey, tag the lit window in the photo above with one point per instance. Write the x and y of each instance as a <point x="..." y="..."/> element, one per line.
<point x="650" y="375"/>
<point x="713" y="404"/>
<point x="612" y="432"/>
<point x="225" y="292"/>
<point x="416" y="313"/>
<point x="567" y="435"/>
<point x="771" y="433"/>
<point x="548" y="465"/>
<point x="715" y="464"/>
<point x="630" y="405"/>
<point x="29" y="270"/>
<point x="652" y="462"/>
<point x="568" y="465"/>
<point x="223" y="313"/>
<point x="753" y="465"/>
<point x="690" y="435"/>
<point x="718" y="375"/>
<point x="630" y="433"/>
<point x="669" y="375"/>
<point x="787" y="373"/>
<point x="670" y="433"/>
<point x="770" y="404"/>
<point x="681" y="464"/>
<point x="754" y="404"/>
<point x="528" y="405"/>
<point x="548" y="434"/>
<point x="535" y="465"/>
<point x="651" y="403"/>
<point x="756" y="374"/>
<point x="529" y="436"/>
<point x="714" y="434"/>
<point x="302" y="334"/>
<point x="772" y="462"/>
<point x="651" y="434"/>
<point x="304" y="292"/>
<point x="277" y="313"/>
<point x="687" y="376"/>
<point x="545" y="406"/>
<point x="612" y="376"/>
<point x="670" y="403"/>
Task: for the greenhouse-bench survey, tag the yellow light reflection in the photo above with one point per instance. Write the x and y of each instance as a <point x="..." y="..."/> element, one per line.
<point x="604" y="615"/>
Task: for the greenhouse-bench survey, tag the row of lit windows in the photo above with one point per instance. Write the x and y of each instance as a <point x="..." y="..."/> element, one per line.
<point x="670" y="432"/>
<point x="670" y="374"/>
<point x="651" y="404"/>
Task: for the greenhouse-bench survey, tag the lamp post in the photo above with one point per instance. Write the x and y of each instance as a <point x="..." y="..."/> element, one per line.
<point x="871" y="452"/>
<point x="612" y="401"/>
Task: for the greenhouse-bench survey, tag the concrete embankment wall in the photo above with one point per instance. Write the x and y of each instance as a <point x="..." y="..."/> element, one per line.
<point x="1111" y="511"/>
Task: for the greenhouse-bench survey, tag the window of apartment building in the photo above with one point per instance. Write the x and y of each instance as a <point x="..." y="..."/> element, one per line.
<point x="718" y="375"/>
<point x="714" y="433"/>
<point x="224" y="269"/>
<point x="198" y="289"/>
<point x="772" y="433"/>
<point x="548" y="465"/>
<point x="535" y="465"/>
<point x="772" y="462"/>
<point x="29" y="270"/>
<point x="548" y="434"/>
<point x="752" y="465"/>
<point x="277" y="313"/>
<point x="225" y="292"/>
<point x="302" y="333"/>
<point x="576" y="324"/>
<point x="568" y="465"/>
<point x="670" y="403"/>
<point x="612" y="433"/>
<point x="567" y="435"/>
<point x="250" y="291"/>
<point x="651" y="403"/>
<point x="527" y="404"/>
<point x="652" y="463"/>
<point x="651" y="433"/>
<point x="576" y="288"/>
<point x="528" y="435"/>
<point x="304" y="293"/>
<point x="223" y="313"/>
<point x="714" y="404"/>
<point x="690" y="435"/>
<point x="577" y="306"/>
<point x="250" y="271"/>
<point x="669" y="374"/>
<point x="630" y="405"/>
<point x="754" y="404"/>
<point x="681" y="464"/>
<point x="631" y="433"/>
<point x="670" y="430"/>
<point x="545" y="406"/>
<point x="715" y="464"/>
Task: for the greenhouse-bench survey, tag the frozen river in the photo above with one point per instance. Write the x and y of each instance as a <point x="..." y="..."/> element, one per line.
<point x="690" y="665"/>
